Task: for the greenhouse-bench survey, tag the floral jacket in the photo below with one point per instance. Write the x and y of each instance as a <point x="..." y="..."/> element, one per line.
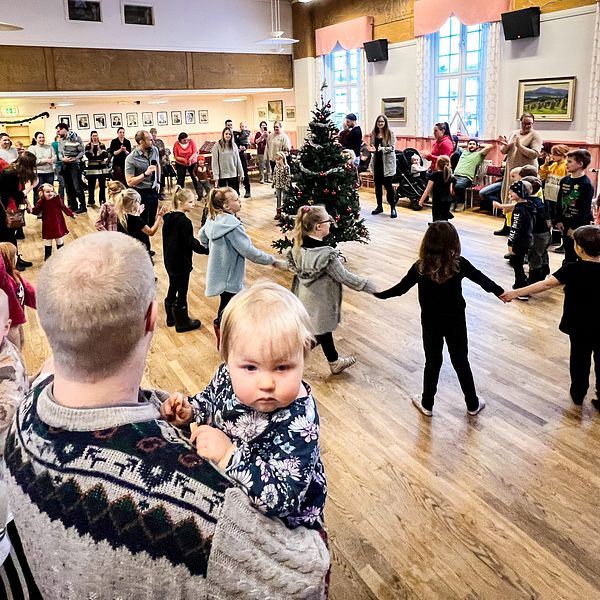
<point x="277" y="461"/>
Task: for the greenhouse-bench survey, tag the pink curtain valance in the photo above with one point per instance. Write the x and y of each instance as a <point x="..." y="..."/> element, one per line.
<point x="350" y="34"/>
<point x="430" y="15"/>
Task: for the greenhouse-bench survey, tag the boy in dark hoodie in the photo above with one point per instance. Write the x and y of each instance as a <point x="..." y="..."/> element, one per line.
<point x="520" y="238"/>
<point x="537" y="257"/>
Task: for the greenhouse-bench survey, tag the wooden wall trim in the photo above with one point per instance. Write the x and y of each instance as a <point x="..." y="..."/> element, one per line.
<point x="41" y="69"/>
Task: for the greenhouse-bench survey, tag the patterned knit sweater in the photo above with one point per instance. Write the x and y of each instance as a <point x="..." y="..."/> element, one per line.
<point x="114" y="503"/>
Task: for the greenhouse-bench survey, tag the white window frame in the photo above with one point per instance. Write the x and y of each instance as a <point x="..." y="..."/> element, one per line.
<point x="463" y="74"/>
<point x="347" y="85"/>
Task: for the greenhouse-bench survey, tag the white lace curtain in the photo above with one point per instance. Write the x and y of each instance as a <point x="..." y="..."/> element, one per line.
<point x="424" y="84"/>
<point x="491" y="83"/>
<point x="593" y="113"/>
<point x="424" y="87"/>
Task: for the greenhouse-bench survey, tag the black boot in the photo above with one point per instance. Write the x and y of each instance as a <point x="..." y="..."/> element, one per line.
<point x="59" y="246"/>
<point x="535" y="275"/>
<point x="393" y="213"/>
<point x="378" y="210"/>
<point x="182" y="320"/>
<point x="504" y="230"/>
<point x="47" y="252"/>
<point x="169" y="310"/>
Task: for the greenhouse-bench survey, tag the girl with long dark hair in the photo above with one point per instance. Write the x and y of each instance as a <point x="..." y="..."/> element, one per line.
<point x="438" y="273"/>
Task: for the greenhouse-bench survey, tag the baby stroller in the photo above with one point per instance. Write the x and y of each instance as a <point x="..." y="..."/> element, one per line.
<point x="410" y="185"/>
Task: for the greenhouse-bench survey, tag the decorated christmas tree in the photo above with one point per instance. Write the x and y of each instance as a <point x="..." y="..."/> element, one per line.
<point x="321" y="175"/>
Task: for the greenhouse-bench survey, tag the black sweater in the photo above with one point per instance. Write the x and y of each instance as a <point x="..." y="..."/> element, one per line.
<point x="520" y="237"/>
<point x="179" y="243"/>
<point x="353" y="140"/>
<point x="442" y="300"/>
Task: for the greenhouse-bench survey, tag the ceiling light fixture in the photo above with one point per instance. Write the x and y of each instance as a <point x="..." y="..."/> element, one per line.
<point x="239" y="99"/>
<point x="276" y="38"/>
<point x="158" y="101"/>
<point x="64" y="104"/>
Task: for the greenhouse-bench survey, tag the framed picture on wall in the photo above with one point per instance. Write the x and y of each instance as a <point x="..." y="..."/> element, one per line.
<point x="116" y="119"/>
<point x="100" y="121"/>
<point x="175" y="117"/>
<point x="65" y="119"/>
<point x="83" y="121"/>
<point x="162" y="118"/>
<point x="190" y="117"/>
<point x="131" y="119"/>
<point x="202" y="116"/>
<point x="394" y="108"/>
<point x="547" y="99"/>
<point x="290" y="113"/>
<point x="262" y="114"/>
<point x="147" y="119"/>
<point x="275" y="110"/>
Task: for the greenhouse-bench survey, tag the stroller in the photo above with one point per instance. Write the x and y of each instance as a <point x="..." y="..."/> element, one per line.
<point x="410" y="185"/>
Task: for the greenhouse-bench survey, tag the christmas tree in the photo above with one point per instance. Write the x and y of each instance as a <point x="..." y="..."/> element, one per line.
<point x="321" y="175"/>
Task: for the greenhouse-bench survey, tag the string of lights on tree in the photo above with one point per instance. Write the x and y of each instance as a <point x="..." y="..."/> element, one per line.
<point x="322" y="175"/>
<point x="25" y="120"/>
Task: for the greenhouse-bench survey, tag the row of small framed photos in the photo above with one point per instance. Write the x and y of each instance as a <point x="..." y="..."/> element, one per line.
<point x="82" y="121"/>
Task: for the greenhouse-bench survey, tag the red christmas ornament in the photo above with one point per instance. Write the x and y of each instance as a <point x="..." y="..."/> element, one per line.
<point x="334" y="193"/>
<point x="349" y="210"/>
<point x="337" y="218"/>
<point x="322" y="173"/>
<point x="326" y="191"/>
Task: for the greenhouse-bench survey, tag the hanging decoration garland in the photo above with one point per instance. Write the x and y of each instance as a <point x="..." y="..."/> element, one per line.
<point x="26" y="120"/>
<point x="321" y="173"/>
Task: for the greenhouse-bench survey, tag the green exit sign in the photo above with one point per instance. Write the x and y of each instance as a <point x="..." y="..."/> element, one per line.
<point x="10" y="111"/>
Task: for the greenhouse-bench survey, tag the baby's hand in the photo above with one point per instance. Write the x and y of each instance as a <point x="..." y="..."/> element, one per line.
<point x="177" y="410"/>
<point x="213" y="444"/>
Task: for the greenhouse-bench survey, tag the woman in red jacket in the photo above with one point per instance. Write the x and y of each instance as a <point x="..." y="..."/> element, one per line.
<point x="443" y="143"/>
<point x="185" y="154"/>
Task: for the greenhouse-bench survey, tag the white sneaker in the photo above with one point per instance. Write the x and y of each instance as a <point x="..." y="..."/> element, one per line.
<point x="343" y="362"/>
<point x="419" y="406"/>
<point x="523" y="298"/>
<point x="479" y="408"/>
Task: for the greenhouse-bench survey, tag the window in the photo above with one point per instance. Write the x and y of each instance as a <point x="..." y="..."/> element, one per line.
<point x="458" y="76"/>
<point x="342" y="68"/>
<point x="80" y="10"/>
<point x="138" y="15"/>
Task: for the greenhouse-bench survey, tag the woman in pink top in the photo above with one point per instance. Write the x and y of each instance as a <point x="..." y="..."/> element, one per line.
<point x="186" y="157"/>
<point x="443" y="143"/>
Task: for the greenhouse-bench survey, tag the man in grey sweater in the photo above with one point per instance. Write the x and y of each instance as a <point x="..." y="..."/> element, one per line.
<point x="70" y="152"/>
<point x="109" y="500"/>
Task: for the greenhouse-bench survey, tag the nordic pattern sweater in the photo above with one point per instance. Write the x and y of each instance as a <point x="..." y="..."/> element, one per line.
<point x="114" y="503"/>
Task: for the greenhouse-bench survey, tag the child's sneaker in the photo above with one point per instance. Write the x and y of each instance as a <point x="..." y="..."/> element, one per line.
<point x="343" y="362"/>
<point x="523" y="298"/>
<point x="419" y="406"/>
<point x="479" y="408"/>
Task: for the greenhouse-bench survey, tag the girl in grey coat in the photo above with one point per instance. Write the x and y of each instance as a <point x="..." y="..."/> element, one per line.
<point x="229" y="246"/>
<point x="383" y="164"/>
<point x="319" y="275"/>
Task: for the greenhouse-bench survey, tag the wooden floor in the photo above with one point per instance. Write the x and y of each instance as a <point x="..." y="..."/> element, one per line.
<point x="499" y="506"/>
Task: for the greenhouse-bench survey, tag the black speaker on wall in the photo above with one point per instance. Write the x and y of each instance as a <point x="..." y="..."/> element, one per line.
<point x="520" y="24"/>
<point x="376" y="51"/>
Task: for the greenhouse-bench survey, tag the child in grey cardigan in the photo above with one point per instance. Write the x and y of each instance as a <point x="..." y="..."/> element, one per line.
<point x="319" y="278"/>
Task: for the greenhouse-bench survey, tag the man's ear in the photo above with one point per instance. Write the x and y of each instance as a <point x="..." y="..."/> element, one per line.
<point x="151" y="315"/>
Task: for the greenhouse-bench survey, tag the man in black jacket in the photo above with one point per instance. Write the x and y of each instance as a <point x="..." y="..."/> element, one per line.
<point x="242" y="141"/>
<point x="353" y="138"/>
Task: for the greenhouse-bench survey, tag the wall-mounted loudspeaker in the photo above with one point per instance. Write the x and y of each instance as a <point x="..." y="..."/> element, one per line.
<point x="376" y="51"/>
<point x="520" y="24"/>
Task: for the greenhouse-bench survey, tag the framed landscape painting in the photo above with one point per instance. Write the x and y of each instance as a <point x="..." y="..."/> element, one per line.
<point x="394" y="108"/>
<point x="547" y="99"/>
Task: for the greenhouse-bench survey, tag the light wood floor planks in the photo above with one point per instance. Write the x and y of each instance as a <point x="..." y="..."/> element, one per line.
<point x="500" y="506"/>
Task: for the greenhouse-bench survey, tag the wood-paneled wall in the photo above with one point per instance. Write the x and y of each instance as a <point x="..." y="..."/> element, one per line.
<point x="394" y="19"/>
<point x="35" y="68"/>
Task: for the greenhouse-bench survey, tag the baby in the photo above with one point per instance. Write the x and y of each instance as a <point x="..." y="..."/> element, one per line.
<point x="257" y="420"/>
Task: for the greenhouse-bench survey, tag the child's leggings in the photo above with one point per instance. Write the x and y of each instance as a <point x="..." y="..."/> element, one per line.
<point x="279" y="194"/>
<point x="583" y="347"/>
<point x="454" y="331"/>
<point x="328" y="346"/>
<point x="178" y="289"/>
<point x="225" y="299"/>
